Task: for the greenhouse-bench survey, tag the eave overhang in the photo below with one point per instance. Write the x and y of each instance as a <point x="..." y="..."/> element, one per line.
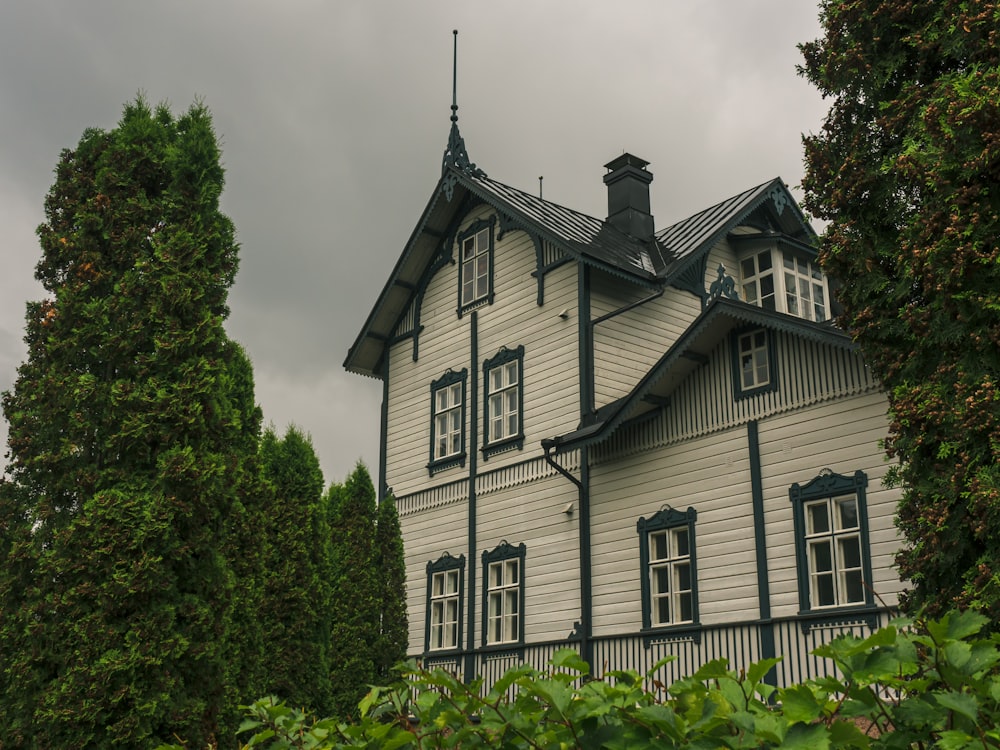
<point x="688" y="353"/>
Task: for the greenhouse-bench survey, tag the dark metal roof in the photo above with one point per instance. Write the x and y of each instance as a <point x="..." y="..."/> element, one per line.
<point x="586" y="237"/>
<point x="697" y="342"/>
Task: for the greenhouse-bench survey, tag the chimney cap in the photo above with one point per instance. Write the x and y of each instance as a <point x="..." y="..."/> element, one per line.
<point x="626" y="160"/>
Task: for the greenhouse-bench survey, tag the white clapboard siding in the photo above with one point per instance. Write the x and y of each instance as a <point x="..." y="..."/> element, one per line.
<point x="551" y="350"/>
<point x="551" y="360"/>
<point x="428" y="535"/>
<point x="702" y="474"/>
<point x="533" y="515"/>
<point x="628" y="344"/>
<point x="842" y="436"/>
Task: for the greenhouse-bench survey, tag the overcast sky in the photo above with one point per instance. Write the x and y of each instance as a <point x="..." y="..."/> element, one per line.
<point x="333" y="117"/>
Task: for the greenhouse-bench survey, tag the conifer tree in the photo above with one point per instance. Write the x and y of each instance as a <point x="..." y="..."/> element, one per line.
<point x="296" y="605"/>
<point x="906" y="170"/>
<point x="355" y="610"/>
<point x="391" y="573"/>
<point x="125" y="449"/>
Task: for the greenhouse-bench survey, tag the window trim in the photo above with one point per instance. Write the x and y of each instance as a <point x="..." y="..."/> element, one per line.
<point x="509" y="442"/>
<point x="473" y="229"/>
<point x="501" y="553"/>
<point x="772" y="362"/>
<point x="444" y="564"/>
<point x="663" y="520"/>
<point x="829" y="485"/>
<point x="447" y="380"/>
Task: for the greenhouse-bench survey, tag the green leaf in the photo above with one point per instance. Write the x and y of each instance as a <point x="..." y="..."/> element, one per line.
<point x="963" y="704"/>
<point x="799" y="704"/>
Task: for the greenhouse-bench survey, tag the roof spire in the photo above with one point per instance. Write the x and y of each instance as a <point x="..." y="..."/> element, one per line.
<point x="455" y="154"/>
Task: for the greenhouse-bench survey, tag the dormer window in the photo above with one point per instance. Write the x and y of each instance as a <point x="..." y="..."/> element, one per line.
<point x="805" y="288"/>
<point x="475" y="270"/>
<point x="784" y="280"/>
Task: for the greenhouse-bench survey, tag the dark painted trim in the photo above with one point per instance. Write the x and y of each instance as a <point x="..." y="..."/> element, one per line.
<point x="767" y="644"/>
<point x="451" y="377"/>
<point x="512" y="442"/>
<point x="383" y="440"/>
<point x="474" y="228"/>
<point x="772" y="362"/>
<point x="586" y="585"/>
<point x="469" y="667"/>
<point x="503" y="551"/>
<point x="586" y="336"/>
<point x="829" y="485"/>
<point x="443" y="563"/>
<point x="667" y="518"/>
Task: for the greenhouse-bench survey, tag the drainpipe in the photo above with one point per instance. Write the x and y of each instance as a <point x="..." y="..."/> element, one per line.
<point x="584" y="627"/>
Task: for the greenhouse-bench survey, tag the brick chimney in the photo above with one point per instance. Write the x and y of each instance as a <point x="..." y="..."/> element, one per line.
<point x="628" y="196"/>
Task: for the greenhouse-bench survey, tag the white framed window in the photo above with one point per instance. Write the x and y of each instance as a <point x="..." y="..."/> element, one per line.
<point x="445" y="589"/>
<point x="503" y="401"/>
<point x="833" y="549"/>
<point x="503" y="595"/>
<point x="757" y="271"/>
<point x="754" y="359"/>
<point x="475" y="266"/>
<point x="448" y="421"/>
<point x="669" y="568"/>
<point x="444" y="610"/>
<point x="831" y="539"/>
<point x="785" y="281"/>
<point x="447" y="433"/>
<point x="805" y="288"/>
<point x="671" y="587"/>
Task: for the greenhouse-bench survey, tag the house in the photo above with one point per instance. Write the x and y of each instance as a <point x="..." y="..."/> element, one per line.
<point x="633" y="441"/>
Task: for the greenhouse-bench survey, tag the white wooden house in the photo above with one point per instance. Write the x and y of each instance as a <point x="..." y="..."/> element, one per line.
<point x="633" y="441"/>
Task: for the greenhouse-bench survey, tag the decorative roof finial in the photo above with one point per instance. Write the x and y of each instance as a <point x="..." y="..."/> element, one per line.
<point x="455" y="154"/>
<point x="454" y="77"/>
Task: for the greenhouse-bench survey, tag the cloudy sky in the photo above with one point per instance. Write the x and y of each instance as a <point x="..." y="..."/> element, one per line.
<point x="333" y="116"/>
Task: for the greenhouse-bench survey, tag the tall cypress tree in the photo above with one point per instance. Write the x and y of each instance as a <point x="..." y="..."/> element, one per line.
<point x="355" y="611"/>
<point x="296" y="598"/>
<point x="390" y="570"/>
<point x="125" y="448"/>
<point x="906" y="169"/>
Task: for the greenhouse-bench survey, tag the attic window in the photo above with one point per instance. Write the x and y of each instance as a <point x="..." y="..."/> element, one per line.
<point x="475" y="271"/>
<point x="786" y="281"/>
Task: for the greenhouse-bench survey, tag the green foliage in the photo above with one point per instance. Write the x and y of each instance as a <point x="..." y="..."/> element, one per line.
<point x="905" y="170"/>
<point x="909" y="685"/>
<point x="295" y="609"/>
<point x="390" y="567"/>
<point x="129" y="426"/>
<point x="354" y="615"/>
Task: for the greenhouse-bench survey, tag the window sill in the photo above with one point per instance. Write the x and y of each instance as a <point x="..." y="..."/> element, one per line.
<point x="498" y="650"/>
<point x="502" y="446"/>
<point x="685" y="631"/>
<point x="448" y="462"/>
<point x="854" y="614"/>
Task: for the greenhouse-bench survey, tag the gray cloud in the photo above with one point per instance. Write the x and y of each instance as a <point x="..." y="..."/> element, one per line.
<point x="334" y="116"/>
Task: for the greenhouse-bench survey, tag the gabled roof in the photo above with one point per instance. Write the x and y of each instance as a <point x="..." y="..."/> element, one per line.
<point x="653" y="262"/>
<point x="687" y="353"/>
<point x="583" y="237"/>
<point x="692" y="236"/>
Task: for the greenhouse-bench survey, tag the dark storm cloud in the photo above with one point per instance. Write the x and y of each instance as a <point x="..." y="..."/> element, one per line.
<point x="333" y="117"/>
